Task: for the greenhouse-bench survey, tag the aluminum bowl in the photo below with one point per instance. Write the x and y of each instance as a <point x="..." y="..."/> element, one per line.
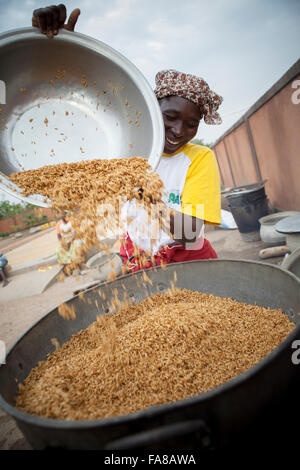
<point x="268" y="233"/>
<point x="69" y="99"/>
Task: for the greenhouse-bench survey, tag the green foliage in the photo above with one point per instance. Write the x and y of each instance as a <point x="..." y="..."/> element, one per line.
<point x="201" y="142"/>
<point x="8" y="209"/>
<point x="33" y="219"/>
<point x="4" y="234"/>
<point x="16" y="228"/>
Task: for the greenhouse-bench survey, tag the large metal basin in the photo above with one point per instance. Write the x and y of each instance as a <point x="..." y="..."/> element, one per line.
<point x="69" y="99"/>
<point x="223" y="413"/>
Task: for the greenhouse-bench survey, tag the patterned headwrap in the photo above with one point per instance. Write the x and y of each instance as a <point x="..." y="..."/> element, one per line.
<point x="195" y="89"/>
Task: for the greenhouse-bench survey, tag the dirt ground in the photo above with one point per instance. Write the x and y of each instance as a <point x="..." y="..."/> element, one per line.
<point x="16" y="316"/>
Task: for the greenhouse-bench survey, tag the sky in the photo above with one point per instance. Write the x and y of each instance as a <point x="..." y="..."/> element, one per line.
<point x="240" y="47"/>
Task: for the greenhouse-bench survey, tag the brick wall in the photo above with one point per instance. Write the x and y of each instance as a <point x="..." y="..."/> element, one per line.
<point x="9" y="225"/>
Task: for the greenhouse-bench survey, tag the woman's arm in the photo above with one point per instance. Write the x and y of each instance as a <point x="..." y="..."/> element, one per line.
<point x="51" y="19"/>
<point x="58" y="234"/>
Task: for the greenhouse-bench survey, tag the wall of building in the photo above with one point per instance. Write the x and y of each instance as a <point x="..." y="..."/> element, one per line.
<point x="265" y="144"/>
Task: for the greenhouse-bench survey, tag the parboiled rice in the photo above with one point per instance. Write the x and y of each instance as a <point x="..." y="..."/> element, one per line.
<point x="168" y="347"/>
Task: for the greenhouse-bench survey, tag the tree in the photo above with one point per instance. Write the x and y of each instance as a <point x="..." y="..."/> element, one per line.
<point x="200" y="142"/>
<point x="8" y="209"/>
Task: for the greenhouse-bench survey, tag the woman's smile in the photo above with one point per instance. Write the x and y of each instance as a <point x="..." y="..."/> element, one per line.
<point x="173" y="142"/>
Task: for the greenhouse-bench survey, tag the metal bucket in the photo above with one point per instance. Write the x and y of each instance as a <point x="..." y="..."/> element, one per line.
<point x="247" y="205"/>
<point x="69" y="99"/>
<point x="219" y="416"/>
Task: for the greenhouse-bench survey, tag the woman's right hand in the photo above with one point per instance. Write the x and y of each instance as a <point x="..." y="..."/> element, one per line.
<point x="50" y="19"/>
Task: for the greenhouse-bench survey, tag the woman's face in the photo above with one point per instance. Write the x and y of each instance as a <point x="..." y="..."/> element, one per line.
<point x="181" y="119"/>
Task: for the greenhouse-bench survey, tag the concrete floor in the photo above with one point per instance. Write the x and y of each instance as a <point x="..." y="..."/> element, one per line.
<point x="25" y="246"/>
<point x="18" y="314"/>
<point x="231" y="244"/>
<point x="41" y="247"/>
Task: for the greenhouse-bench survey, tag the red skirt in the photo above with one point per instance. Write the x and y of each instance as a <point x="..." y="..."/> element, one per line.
<point x="135" y="259"/>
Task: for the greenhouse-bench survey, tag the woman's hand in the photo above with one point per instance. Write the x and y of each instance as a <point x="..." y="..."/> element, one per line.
<point x="50" y="19"/>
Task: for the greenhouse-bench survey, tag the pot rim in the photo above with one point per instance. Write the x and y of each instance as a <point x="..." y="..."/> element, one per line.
<point x="268" y="219"/>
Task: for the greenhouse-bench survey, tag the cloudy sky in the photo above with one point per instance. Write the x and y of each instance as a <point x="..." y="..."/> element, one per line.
<point x="240" y="47"/>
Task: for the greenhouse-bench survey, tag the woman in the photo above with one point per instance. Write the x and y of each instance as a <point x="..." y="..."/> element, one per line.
<point x="189" y="172"/>
<point x="66" y="252"/>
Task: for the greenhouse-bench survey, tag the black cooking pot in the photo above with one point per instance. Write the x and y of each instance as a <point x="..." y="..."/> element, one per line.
<point x="214" y="419"/>
<point x="247" y="205"/>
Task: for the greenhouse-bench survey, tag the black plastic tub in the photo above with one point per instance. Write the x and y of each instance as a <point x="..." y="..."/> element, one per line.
<point x="217" y="418"/>
<point x="247" y="205"/>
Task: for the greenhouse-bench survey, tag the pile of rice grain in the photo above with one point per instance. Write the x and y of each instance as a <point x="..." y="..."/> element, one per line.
<point x="92" y="190"/>
<point x="90" y="182"/>
<point x="168" y="347"/>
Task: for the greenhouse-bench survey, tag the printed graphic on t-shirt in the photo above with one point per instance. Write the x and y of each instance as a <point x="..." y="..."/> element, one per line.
<point x="174" y="198"/>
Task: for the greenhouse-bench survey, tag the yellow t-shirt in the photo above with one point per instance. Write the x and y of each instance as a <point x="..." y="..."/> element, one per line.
<point x="191" y="177"/>
<point x="191" y="185"/>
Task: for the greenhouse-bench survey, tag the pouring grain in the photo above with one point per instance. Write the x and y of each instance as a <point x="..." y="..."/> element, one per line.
<point x="93" y="192"/>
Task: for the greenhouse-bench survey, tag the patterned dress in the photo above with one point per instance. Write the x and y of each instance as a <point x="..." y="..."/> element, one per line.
<point x="64" y="254"/>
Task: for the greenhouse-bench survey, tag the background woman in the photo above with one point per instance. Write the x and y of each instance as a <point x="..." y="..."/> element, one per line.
<point x="66" y="252"/>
